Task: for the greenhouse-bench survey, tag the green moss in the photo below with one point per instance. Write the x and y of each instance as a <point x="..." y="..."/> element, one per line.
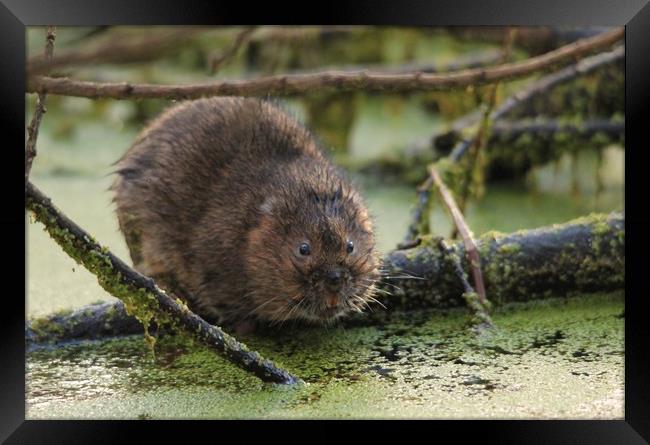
<point x="45" y="330"/>
<point x="509" y="248"/>
<point x="138" y="302"/>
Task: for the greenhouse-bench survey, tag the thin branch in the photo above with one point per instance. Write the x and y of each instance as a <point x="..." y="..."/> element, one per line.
<point x="339" y="81"/>
<point x="419" y="216"/>
<point x="141" y="294"/>
<point x="32" y="128"/>
<point x="463" y="230"/>
<point x="241" y="39"/>
<point x="479" y="310"/>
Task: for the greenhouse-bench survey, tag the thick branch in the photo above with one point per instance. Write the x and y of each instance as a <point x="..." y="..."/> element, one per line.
<point x="140" y="294"/>
<point x="90" y="322"/>
<point x="339" y="81"/>
<point x="540" y="134"/>
<point x="509" y="130"/>
<point x="584" y="255"/>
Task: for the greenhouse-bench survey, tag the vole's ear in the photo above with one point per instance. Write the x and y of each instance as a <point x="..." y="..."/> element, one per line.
<point x="268" y="205"/>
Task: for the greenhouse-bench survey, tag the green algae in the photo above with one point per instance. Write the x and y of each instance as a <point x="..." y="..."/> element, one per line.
<point x="547" y="359"/>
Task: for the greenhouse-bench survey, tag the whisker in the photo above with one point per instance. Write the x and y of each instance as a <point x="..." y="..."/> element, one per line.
<point x="376" y="301"/>
<point x="376" y="289"/>
<point x="261" y="305"/>
<point x="291" y="311"/>
<point x="403" y="277"/>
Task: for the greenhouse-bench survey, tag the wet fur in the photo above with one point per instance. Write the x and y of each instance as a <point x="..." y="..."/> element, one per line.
<point x="216" y="194"/>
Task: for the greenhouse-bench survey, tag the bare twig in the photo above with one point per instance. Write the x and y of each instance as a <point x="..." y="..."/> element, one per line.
<point x="347" y="81"/>
<point x="465" y="233"/>
<point x="231" y="51"/>
<point x="32" y="128"/>
<point x="140" y="294"/>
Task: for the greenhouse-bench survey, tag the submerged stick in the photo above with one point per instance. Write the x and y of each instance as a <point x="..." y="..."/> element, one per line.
<point x="581" y="256"/>
<point x="142" y="298"/>
<point x="332" y="80"/>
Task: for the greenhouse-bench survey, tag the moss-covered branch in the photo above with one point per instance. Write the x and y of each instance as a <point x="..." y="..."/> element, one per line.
<point x="142" y="298"/>
<point x="90" y="322"/>
<point x="583" y="255"/>
<point x="513" y="148"/>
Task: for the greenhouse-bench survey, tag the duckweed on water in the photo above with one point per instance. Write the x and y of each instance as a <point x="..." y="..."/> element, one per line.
<point x="558" y="358"/>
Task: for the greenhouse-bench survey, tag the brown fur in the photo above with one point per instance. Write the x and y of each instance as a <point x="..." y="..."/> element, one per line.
<point x="215" y="198"/>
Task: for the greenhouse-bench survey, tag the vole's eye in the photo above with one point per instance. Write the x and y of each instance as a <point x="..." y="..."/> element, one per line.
<point x="350" y="246"/>
<point x="305" y="249"/>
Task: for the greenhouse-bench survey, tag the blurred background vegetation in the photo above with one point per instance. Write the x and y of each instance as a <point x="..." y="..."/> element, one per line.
<point x="385" y="140"/>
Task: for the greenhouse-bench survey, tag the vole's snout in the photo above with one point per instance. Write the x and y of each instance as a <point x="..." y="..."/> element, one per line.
<point x="334" y="279"/>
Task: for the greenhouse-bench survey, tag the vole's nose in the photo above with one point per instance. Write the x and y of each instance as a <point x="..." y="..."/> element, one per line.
<point x="334" y="279"/>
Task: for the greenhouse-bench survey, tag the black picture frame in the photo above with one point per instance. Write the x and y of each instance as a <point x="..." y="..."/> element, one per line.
<point x="15" y="15"/>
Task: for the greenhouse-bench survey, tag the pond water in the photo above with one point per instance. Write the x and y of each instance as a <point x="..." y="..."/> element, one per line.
<point x="561" y="358"/>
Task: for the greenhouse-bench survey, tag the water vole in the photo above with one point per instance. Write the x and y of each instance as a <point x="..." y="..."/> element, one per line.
<point x="230" y="203"/>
